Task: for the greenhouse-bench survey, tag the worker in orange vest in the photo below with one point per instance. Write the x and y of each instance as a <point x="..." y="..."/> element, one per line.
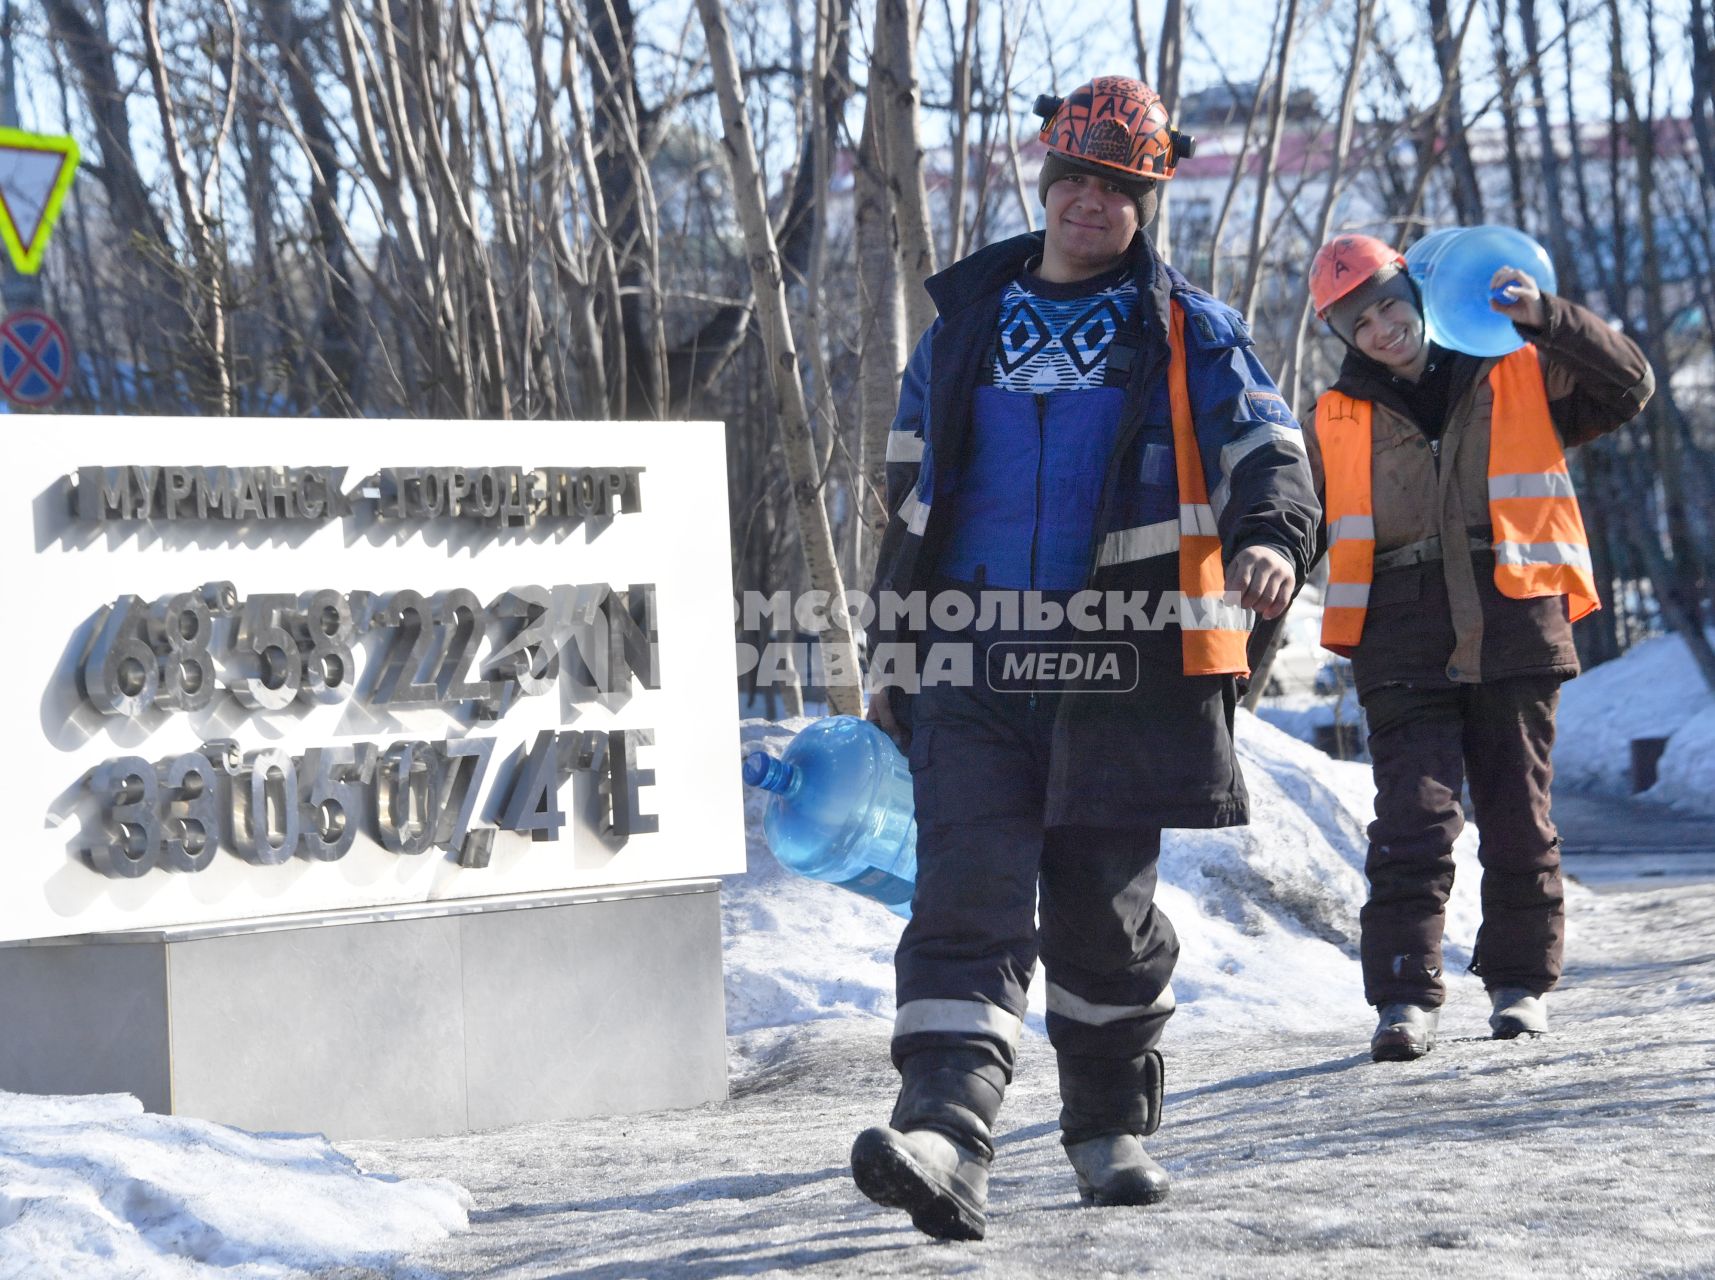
<point x="1457" y="564"/>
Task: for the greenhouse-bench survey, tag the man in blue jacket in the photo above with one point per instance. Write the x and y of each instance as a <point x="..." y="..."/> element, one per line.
<point x="1095" y="487"/>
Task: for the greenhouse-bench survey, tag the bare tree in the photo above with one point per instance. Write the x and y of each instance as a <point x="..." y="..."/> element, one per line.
<point x="1172" y="57"/>
<point x="893" y="74"/>
<point x="1449" y="120"/>
<point x="1271" y="152"/>
<point x="208" y="312"/>
<point x="792" y="412"/>
<point x="1566" y="263"/>
<point x="961" y="108"/>
<point x="881" y="321"/>
<point x="1335" y="179"/>
<point x="1253" y="115"/>
<point x="1507" y="92"/>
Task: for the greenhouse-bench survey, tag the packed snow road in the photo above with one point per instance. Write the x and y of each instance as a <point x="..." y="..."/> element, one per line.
<point x="1589" y="1152"/>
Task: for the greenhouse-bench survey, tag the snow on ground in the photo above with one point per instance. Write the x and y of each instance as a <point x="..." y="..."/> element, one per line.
<point x="1308" y="715"/>
<point x="93" y="1187"/>
<point x="1590" y="1152"/>
<point x="1587" y="1153"/>
<point x="1654" y="690"/>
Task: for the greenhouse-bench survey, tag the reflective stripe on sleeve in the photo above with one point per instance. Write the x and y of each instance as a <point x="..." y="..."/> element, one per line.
<point x="960" y="1017"/>
<point x="1288" y="438"/>
<point x="1528" y="553"/>
<point x="1347" y="595"/>
<point x="1359" y="528"/>
<point x="904" y="446"/>
<point x="915" y="513"/>
<point x="1198" y="518"/>
<point x="1531" y="484"/>
<point x="1268" y="433"/>
<point x="1214" y="613"/>
<point x="1139" y="543"/>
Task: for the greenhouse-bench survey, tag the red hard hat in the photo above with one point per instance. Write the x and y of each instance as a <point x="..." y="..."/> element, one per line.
<point x="1116" y="123"/>
<point x="1343" y="264"/>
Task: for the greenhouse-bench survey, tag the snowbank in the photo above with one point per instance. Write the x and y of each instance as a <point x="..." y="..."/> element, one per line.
<point x="1311" y="717"/>
<point x="1653" y="691"/>
<point x="103" y="1190"/>
<point x="1266" y="914"/>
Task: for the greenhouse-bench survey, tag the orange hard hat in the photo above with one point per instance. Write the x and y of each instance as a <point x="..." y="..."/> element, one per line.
<point x="1343" y="264"/>
<point x="1114" y="123"/>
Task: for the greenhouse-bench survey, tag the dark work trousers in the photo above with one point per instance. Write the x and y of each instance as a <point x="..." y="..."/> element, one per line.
<point x="980" y="763"/>
<point x="1426" y="743"/>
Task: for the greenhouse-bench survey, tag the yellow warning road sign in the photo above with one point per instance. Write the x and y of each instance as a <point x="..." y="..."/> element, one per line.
<point x="36" y="171"/>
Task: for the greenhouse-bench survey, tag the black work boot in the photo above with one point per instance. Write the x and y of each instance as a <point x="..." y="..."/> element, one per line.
<point x="1517" y="1011"/>
<point x="1404" y="1032"/>
<point x="1115" y="1170"/>
<point x="941" y="1184"/>
<point x="1108" y="1107"/>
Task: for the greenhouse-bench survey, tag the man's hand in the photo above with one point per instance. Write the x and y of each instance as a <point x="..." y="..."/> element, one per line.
<point x="1526" y="306"/>
<point x="1264" y="580"/>
<point x="880" y="714"/>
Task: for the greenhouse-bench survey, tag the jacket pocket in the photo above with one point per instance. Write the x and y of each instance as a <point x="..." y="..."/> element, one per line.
<point x="920" y="751"/>
<point x="1398" y="586"/>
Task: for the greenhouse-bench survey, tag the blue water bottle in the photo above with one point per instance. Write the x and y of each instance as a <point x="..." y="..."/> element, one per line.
<point x="1453" y="268"/>
<point x="842" y="809"/>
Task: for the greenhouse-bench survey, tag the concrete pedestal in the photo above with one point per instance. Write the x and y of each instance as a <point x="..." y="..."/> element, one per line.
<point x="385" y="1023"/>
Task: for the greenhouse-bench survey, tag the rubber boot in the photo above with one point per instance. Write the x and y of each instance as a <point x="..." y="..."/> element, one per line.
<point x="1115" y="1170"/>
<point x="1404" y="1032"/>
<point x="941" y="1184"/>
<point x="1517" y="1011"/>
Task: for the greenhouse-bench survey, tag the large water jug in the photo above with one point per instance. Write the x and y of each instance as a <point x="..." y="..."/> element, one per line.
<point x="1453" y="267"/>
<point x="842" y="809"/>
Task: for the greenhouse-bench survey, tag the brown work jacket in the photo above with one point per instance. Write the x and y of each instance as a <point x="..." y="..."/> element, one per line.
<point x="1435" y="616"/>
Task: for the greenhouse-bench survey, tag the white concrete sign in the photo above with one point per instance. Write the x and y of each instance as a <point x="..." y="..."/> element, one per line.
<point x="269" y="668"/>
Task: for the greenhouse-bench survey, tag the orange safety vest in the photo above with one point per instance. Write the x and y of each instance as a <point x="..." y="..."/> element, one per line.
<point x="1213" y="630"/>
<point x="1541" y="548"/>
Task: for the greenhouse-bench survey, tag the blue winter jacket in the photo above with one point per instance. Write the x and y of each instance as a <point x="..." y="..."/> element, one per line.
<point x="1163" y="755"/>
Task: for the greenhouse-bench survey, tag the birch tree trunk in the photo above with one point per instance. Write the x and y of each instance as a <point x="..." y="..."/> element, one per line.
<point x="894" y="76"/>
<point x="207" y="313"/>
<point x="879" y="338"/>
<point x="843" y="678"/>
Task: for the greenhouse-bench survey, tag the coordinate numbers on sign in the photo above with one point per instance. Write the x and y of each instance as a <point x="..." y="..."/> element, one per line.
<point x="269" y="807"/>
<point x="273" y="651"/>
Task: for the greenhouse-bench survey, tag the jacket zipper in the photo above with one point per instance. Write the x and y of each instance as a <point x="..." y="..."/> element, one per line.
<point x="1041" y="449"/>
<point x="1130" y="424"/>
<point x="1036" y="523"/>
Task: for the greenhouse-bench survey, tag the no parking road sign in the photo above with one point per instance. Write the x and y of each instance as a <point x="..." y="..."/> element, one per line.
<point x="35" y="359"/>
